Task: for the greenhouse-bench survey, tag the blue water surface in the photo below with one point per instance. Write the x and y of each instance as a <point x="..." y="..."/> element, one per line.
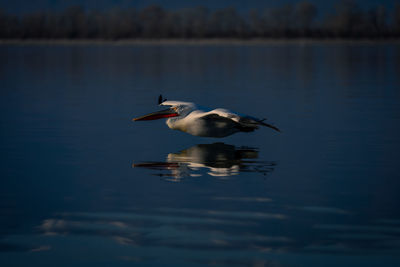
<point x="83" y="185"/>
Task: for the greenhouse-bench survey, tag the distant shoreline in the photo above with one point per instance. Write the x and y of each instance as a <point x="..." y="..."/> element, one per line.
<point x="217" y="41"/>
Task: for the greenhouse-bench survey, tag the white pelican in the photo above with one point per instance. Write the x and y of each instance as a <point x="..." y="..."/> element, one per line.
<point x="200" y="121"/>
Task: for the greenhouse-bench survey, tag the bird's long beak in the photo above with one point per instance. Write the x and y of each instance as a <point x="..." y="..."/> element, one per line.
<point x="167" y="113"/>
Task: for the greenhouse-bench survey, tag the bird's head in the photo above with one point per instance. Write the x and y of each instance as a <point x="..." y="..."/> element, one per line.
<point x="175" y="109"/>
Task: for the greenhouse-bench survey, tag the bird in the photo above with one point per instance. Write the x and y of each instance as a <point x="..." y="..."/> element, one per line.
<point x="202" y="121"/>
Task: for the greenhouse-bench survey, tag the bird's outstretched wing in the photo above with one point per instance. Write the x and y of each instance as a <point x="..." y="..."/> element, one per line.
<point x="261" y="122"/>
<point x="245" y="123"/>
<point x="223" y="120"/>
<point x="251" y="120"/>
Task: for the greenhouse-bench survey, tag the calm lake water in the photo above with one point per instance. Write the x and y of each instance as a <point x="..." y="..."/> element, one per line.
<point x="83" y="185"/>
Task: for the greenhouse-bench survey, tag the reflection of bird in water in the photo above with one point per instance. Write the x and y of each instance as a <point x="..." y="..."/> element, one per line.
<point x="200" y="121"/>
<point x="217" y="159"/>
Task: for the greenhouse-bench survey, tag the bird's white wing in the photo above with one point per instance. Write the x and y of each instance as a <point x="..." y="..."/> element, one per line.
<point x="226" y="114"/>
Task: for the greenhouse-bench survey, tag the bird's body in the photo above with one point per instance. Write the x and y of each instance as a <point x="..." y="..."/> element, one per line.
<point x="201" y="121"/>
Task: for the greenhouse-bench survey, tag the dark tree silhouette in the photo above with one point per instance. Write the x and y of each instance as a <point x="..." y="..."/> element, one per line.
<point x="74" y="22"/>
<point x="257" y="25"/>
<point x="152" y="22"/>
<point x="226" y="23"/>
<point x="396" y="19"/>
<point x="287" y="21"/>
<point x="348" y="20"/>
<point x="280" y="21"/>
<point x="305" y="13"/>
<point x="376" y="21"/>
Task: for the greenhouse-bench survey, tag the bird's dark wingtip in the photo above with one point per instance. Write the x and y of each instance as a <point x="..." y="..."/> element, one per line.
<point x="269" y="125"/>
<point x="161" y="100"/>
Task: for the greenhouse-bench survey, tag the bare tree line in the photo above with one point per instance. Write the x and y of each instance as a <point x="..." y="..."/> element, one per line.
<point x="288" y="21"/>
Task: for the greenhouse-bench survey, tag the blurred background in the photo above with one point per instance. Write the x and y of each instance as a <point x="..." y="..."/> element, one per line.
<point x="122" y="19"/>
